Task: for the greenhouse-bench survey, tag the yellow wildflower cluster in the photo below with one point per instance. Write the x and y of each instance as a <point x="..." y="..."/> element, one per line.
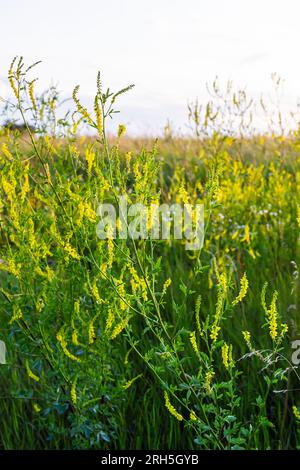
<point x="37" y="407"/>
<point x="6" y="151"/>
<point x="17" y="314"/>
<point x="296" y="412"/>
<point x="243" y="290"/>
<point x="207" y="381"/>
<point x="197" y="315"/>
<point x="227" y="356"/>
<point x="109" y="320"/>
<point x="222" y="289"/>
<point x="70" y="251"/>
<point x="90" y="158"/>
<point x="194" y="342"/>
<point x="85" y="210"/>
<point x="91" y="332"/>
<point x="75" y="337"/>
<point x="81" y="109"/>
<point x="130" y="382"/>
<point x="98" y="114"/>
<point x="11" y="266"/>
<point x="95" y="292"/>
<point x="272" y="316"/>
<point x="122" y="294"/>
<point x="30" y="374"/>
<point x="247" y="338"/>
<point x="119" y="328"/>
<point x="172" y="410"/>
<point x="167" y="284"/>
<point x="61" y="338"/>
<point x="73" y="392"/>
<point x="137" y="283"/>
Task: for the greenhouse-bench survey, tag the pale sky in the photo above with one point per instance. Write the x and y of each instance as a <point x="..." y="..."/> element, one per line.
<point x="168" y="48"/>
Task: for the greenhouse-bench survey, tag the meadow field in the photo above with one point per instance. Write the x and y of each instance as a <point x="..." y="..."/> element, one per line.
<point x="140" y="343"/>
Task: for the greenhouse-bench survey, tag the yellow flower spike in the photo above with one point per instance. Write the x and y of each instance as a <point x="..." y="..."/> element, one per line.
<point x="49" y="274"/>
<point x="246" y="237"/>
<point x="121" y="290"/>
<point x="17" y="314"/>
<point x="76" y="307"/>
<point x="207" y="381"/>
<point x="172" y="410"/>
<point x="91" y="332"/>
<point x="144" y="289"/>
<point x="270" y="313"/>
<point x="31" y="94"/>
<point x="210" y="279"/>
<point x="32" y="241"/>
<point x="252" y="254"/>
<point x="272" y="319"/>
<point x="151" y="217"/>
<point x="98" y="114"/>
<point x="81" y="208"/>
<point x="30" y="374"/>
<point x="90" y="159"/>
<point x="119" y="328"/>
<point x="284" y="330"/>
<point x="194" y="342"/>
<point x="222" y="289"/>
<point x="247" y="339"/>
<point x="234" y="235"/>
<point x="223" y="282"/>
<point x="49" y="145"/>
<point x="48" y="174"/>
<point x="121" y="130"/>
<point x="40" y="304"/>
<point x="36" y="408"/>
<point x="73" y="392"/>
<point x="89" y="212"/>
<point x="95" y="292"/>
<point x="12" y="79"/>
<point x="14" y="215"/>
<point x="71" y="251"/>
<point x="63" y="344"/>
<point x="193" y="416"/>
<point x="167" y="284"/>
<point x="126" y="360"/>
<point x="12" y="267"/>
<point x="128" y="157"/>
<point x="243" y="290"/>
<point x="214" y="332"/>
<point x="130" y="382"/>
<point x="81" y="109"/>
<point x="25" y="186"/>
<point x="9" y="189"/>
<point x="75" y="337"/>
<point x="296" y="412"/>
<point x="110" y="246"/>
<point x="6" y="152"/>
<point x="109" y="320"/>
<point x="103" y="270"/>
<point x="135" y="280"/>
<point x="225" y="355"/>
<point x="263" y="298"/>
<point x="197" y="315"/>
